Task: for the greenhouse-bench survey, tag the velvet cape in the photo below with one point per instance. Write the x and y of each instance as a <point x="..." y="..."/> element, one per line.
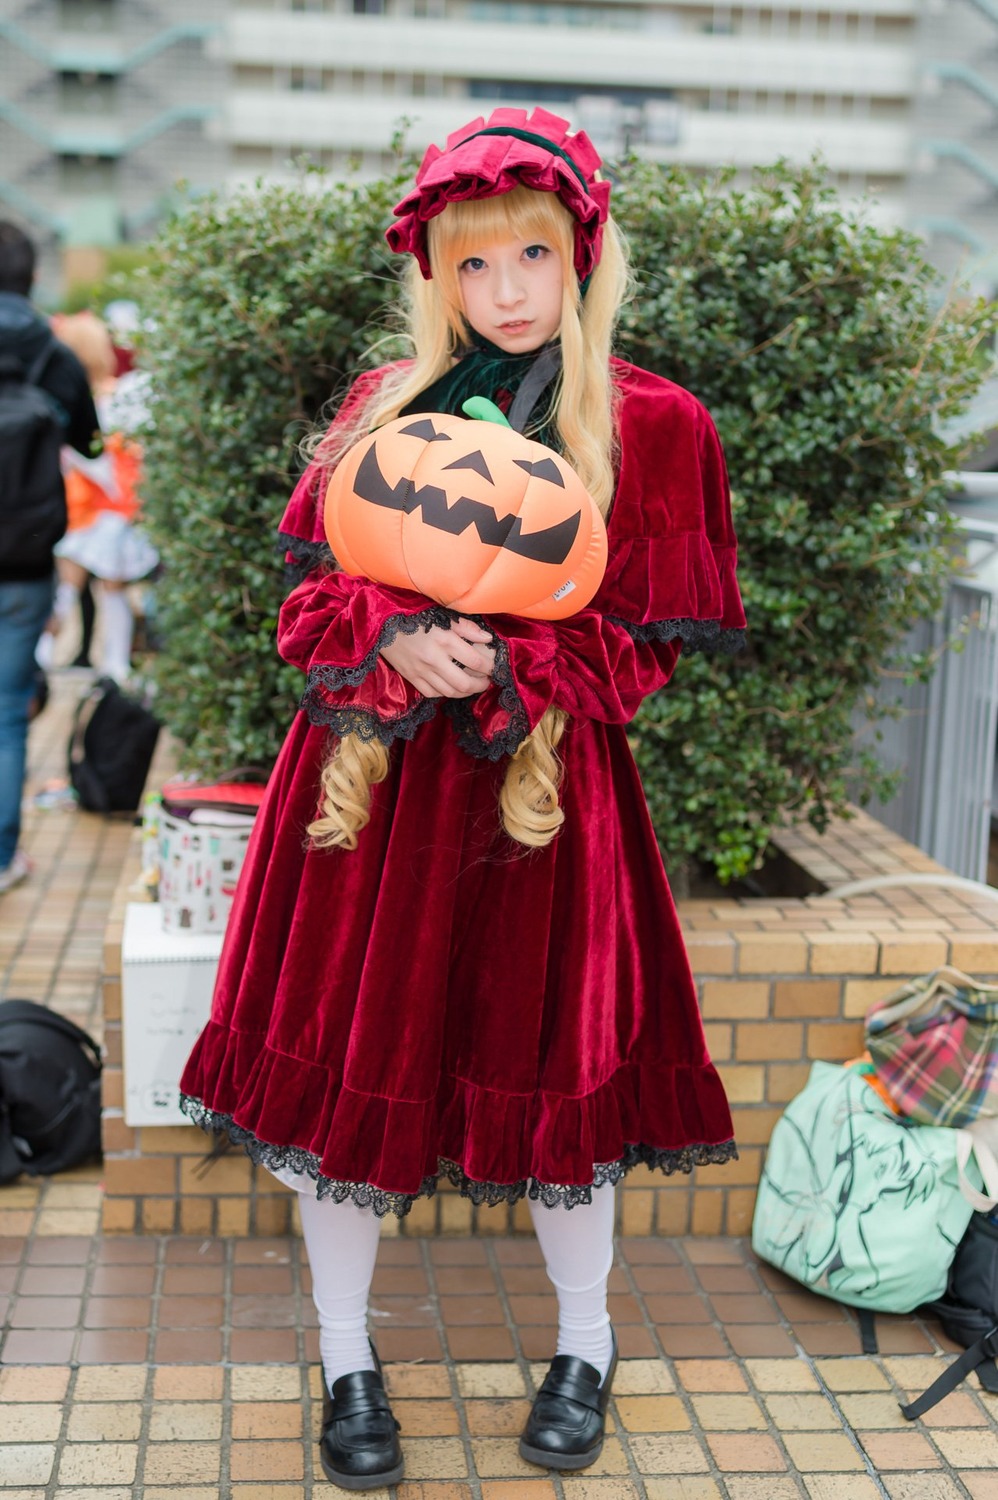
<point x="442" y="1001"/>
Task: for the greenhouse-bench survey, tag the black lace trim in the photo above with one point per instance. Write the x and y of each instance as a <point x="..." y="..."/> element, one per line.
<point x="368" y="725"/>
<point x="366" y="1195"/>
<point x="305" y="556"/>
<point x="696" y="635"/>
<point x="461" y="713"/>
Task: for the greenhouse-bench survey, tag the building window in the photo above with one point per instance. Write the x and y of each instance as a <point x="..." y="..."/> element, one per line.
<point x="88" y="15"/>
<point x="88" y="93"/>
<point x="307" y="80"/>
<point x="87" y="174"/>
<point x="368" y="7"/>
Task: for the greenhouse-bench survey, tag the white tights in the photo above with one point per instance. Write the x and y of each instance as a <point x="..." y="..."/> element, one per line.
<point x="342" y="1244"/>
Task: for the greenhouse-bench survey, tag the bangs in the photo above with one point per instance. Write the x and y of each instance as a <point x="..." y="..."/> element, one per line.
<point x="522" y="214"/>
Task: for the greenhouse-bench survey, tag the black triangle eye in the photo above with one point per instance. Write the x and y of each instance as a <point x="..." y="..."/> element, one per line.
<point x="425" y="429"/>
<point x="544" y="468"/>
<point x="474" y="461"/>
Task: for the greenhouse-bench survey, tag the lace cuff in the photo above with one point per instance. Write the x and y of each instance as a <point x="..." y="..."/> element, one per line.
<point x="301" y="557"/>
<point x="371" y="699"/>
<point x="506" y="727"/>
<point x="694" y="635"/>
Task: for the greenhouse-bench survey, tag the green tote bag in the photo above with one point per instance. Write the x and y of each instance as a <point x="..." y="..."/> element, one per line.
<point x="861" y="1206"/>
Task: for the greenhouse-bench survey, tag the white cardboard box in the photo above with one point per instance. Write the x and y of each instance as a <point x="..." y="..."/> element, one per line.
<point x="167" y="979"/>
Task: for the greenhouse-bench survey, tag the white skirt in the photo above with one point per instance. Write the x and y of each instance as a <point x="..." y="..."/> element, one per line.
<point x="110" y="548"/>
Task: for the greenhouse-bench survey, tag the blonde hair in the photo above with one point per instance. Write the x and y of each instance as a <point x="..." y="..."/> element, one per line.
<point x="585" y="427"/>
<point x="88" y="337"/>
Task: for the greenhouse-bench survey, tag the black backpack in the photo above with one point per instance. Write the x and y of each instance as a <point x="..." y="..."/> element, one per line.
<point x="111" y="748"/>
<point x="968" y="1313"/>
<point x="32" y="492"/>
<point x="49" y="1092"/>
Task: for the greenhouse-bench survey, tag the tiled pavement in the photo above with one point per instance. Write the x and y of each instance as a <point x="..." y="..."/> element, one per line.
<point x="155" y="1367"/>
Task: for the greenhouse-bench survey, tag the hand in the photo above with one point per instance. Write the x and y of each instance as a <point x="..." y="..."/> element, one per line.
<point x="454" y="663"/>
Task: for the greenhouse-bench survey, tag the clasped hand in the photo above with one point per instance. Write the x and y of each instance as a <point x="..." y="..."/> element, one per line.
<point x="454" y="663"/>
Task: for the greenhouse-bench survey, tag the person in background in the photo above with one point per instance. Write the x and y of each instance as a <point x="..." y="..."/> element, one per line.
<point x="33" y="365"/>
<point x="102" y="496"/>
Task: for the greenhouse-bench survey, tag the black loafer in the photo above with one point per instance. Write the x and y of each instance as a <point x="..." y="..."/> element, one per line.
<point x="359" y="1447"/>
<point x="565" y="1427"/>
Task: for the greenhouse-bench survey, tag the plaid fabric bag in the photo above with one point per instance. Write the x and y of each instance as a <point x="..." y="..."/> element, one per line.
<point x="934" y="1044"/>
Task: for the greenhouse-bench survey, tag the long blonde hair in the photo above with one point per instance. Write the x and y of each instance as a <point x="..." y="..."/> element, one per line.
<point x="584" y="422"/>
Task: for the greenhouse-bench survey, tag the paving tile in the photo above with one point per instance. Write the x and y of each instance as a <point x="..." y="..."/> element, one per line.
<point x="862" y="1374"/>
<point x="494" y="1379"/>
<point x="635" y="1342"/>
<point x="267" y="1419"/>
<point x="643" y="1377"/>
<point x="841" y="1487"/>
<point x="184" y="1383"/>
<point x="41" y="1346"/>
<point x="958" y="1409"/>
<point x="729" y="1413"/>
<point x="110" y="1383"/>
<point x="921" y="1487"/>
<point x="266" y="1383"/>
<point x="675" y="1454"/>
<point x="426" y="1490"/>
<point x="492" y="1489"/>
<point x="186" y="1492"/>
<point x="683" y="1487"/>
<point x="801" y="1412"/>
<point x="47" y="1312"/>
<point x="781" y="1375"/>
<point x="486" y="1343"/>
<point x="190" y="1421"/>
<point x="266" y="1461"/>
<point x="26" y="1463"/>
<point x="419" y="1380"/>
<point x="761" y="1487"/>
<point x="968" y="1448"/>
<point x="184" y="1463"/>
<point x="745" y="1452"/>
<point x="32" y="1383"/>
<point x="497" y="1458"/>
<point x="686" y="1343"/>
<point x="113" y="1346"/>
<point x="709" y="1375"/>
<point x="27" y="1422"/>
<point x="652" y="1414"/>
<point x="104" y="1421"/>
<point x="901" y="1450"/>
<point x="98" y="1463"/>
<point x="501" y="1416"/>
<point x="983" y="1484"/>
<point x="435" y="1458"/>
<point x="86" y="1492"/>
<point x="755" y="1339"/>
<point x="582" y="1487"/>
<point x="51" y="1281"/>
<point x="873" y="1409"/>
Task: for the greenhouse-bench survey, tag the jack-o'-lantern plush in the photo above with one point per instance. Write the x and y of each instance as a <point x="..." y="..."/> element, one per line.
<point x="469" y="513"/>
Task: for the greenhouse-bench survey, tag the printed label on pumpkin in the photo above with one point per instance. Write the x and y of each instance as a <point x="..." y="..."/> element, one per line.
<point x="566" y="588"/>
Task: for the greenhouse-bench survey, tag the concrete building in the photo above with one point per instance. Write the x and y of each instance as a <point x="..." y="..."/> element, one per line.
<point x="105" y="103"/>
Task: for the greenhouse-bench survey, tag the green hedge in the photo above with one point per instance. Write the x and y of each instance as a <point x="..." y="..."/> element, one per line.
<point x="819" y="343"/>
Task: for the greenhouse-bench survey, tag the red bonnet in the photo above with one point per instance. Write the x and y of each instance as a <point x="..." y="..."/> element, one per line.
<point x="487" y="158"/>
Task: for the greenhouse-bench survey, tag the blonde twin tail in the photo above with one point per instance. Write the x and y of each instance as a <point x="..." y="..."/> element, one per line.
<point x="528" y="802"/>
<point x="345" y="788"/>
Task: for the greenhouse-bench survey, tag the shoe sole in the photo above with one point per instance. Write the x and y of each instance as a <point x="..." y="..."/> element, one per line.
<point x="361" y="1481"/>
<point x="546" y="1460"/>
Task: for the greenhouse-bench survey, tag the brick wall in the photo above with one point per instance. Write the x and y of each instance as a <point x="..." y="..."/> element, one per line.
<point x="781" y="982"/>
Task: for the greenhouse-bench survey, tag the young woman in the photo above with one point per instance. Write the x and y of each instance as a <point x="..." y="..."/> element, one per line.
<point x="454" y="952"/>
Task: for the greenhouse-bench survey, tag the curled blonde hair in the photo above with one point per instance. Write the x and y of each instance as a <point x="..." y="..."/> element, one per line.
<point x="584" y="421"/>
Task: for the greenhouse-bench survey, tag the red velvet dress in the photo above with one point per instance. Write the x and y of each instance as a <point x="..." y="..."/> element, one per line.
<point x="441" y="1001"/>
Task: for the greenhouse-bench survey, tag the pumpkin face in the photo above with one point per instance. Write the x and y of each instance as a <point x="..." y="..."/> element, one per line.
<point x="469" y="513"/>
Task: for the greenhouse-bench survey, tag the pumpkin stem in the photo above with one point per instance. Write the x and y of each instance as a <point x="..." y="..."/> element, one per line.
<point x="482" y="410"/>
